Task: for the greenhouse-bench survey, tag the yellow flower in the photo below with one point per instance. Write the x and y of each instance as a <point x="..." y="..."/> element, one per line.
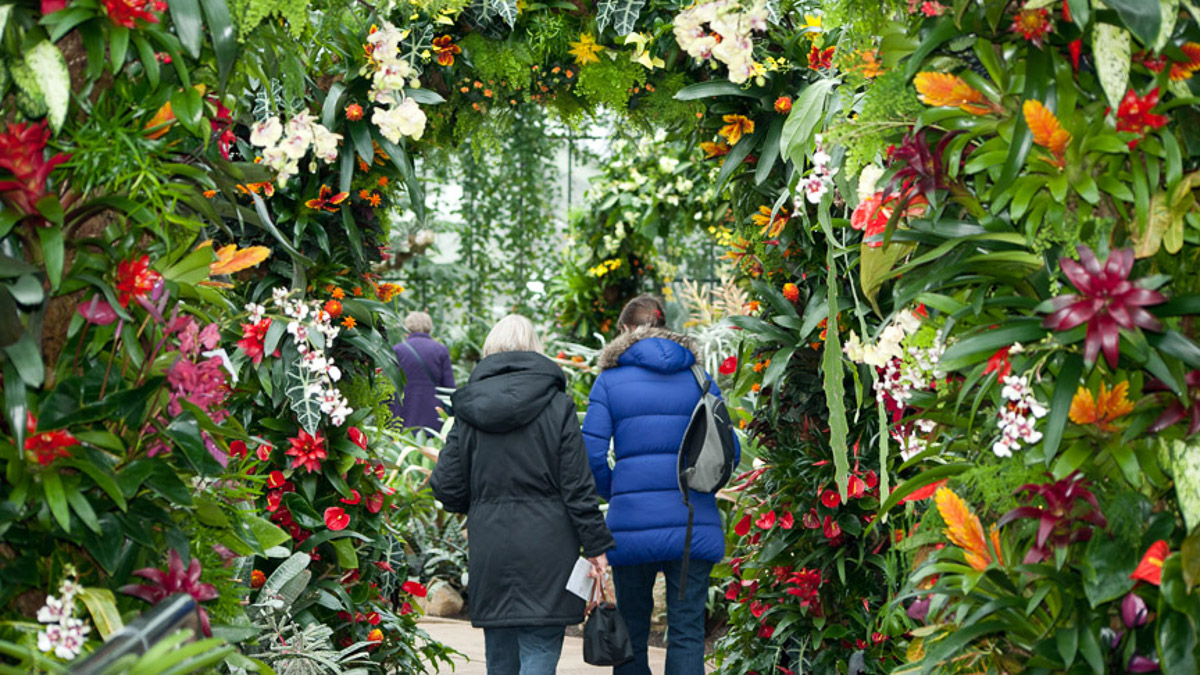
<point x="1103" y="409"/>
<point x="812" y="26"/>
<point x="641" y="53"/>
<point x="585" y="50"/>
<point x="735" y="127"/>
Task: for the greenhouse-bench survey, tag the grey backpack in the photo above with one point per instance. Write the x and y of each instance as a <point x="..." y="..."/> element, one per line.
<point x="706" y="455"/>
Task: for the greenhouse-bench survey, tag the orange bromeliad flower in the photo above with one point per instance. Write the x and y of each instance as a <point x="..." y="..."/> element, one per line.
<point x="1102" y="410"/>
<point x="950" y="91"/>
<point x="735" y="127"/>
<point x="326" y="200"/>
<point x="1047" y="131"/>
<point x="231" y="259"/>
<point x="1184" y="70"/>
<point x="445" y="49"/>
<point x="964" y="529"/>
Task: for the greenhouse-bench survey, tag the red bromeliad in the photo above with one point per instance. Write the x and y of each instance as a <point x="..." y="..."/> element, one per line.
<point x="135" y="279"/>
<point x="1070" y="513"/>
<point x="1107" y="301"/>
<point x="23" y="154"/>
<point x="1189" y="406"/>
<point x="175" y="580"/>
<point x="128" y="12"/>
<point x="1134" y="116"/>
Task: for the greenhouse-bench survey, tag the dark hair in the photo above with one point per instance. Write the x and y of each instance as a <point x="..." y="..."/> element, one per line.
<point x="644" y="310"/>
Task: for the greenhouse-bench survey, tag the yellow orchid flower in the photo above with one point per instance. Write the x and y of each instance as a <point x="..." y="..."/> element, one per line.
<point x="640" y="52"/>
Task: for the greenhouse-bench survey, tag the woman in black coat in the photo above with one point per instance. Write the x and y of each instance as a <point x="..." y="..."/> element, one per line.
<point x="515" y="461"/>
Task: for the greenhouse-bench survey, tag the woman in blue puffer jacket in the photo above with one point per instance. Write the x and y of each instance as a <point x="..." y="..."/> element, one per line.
<point x="642" y="402"/>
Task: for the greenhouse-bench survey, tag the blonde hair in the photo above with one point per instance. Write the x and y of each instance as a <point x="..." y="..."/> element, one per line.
<point x="418" y="322"/>
<point x="513" y="333"/>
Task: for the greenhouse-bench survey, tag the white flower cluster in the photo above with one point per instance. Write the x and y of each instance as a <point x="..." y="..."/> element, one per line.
<point x="1018" y="418"/>
<point x="63" y="634"/>
<point x="728" y="36"/>
<point x="401" y="116"/>
<point x="307" y="322"/>
<point x="818" y="182"/>
<point x="905" y="370"/>
<point x="913" y="439"/>
<point x="284" y="145"/>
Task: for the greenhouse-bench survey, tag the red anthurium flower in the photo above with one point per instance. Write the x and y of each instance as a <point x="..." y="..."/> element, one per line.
<point x="373" y="618"/>
<point x="830" y="528"/>
<point x="175" y="580"/>
<point x="357" y="437"/>
<point x="731" y="593"/>
<point x="237" y="449"/>
<point x="831" y="499"/>
<point x="326" y="200"/>
<point x="264" y="452"/>
<point x="766" y="631"/>
<point x="1134" y="116"/>
<point x="375" y="503"/>
<point x="307" y="450"/>
<point x="135" y="279"/>
<point x="354" y="498"/>
<point x="766" y="521"/>
<point x="336" y="518"/>
<point x="758" y="608"/>
<point x="276" y="479"/>
<point x="871" y="479"/>
<point x="998" y="363"/>
<point x="855" y="488"/>
<point x="728" y="366"/>
<point x="384" y="565"/>
<point x="1107" y="301"/>
<point x="787" y="521"/>
<point x="811" y="520"/>
<point x="22" y="153"/>
<point x="1150" y="568"/>
<point x="743" y="526"/>
<point x="273" y="500"/>
<point x="414" y="588"/>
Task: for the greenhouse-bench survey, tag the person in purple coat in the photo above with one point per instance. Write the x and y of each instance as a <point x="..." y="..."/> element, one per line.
<point x="426" y="365"/>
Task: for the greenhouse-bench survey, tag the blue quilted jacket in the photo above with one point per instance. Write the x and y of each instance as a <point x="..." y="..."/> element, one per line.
<point x="642" y="402"/>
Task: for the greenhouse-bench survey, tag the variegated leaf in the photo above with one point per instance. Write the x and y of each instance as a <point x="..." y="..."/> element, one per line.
<point x="1112" y="48"/>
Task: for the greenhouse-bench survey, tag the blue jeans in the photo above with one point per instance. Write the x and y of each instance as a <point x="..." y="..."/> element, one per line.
<point x="523" y="650"/>
<point x="685" y="618"/>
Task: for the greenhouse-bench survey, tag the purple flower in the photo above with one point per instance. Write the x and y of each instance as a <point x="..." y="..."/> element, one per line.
<point x="97" y="311"/>
<point x="1177" y="410"/>
<point x="202" y="384"/>
<point x="920" y="167"/>
<point x="1107" y="301"/>
<point x="175" y="580"/>
<point x="1142" y="664"/>
<point x="919" y="609"/>
<point x="1070" y="512"/>
<point x="1134" y="611"/>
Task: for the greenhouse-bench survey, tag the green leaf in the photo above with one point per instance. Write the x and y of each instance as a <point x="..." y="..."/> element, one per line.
<point x="1065" y="387"/>
<point x="297" y="563"/>
<point x="189" y="26"/>
<point x="149" y="59"/>
<point x="15" y="403"/>
<point x="48" y="64"/>
<point x="83" y="508"/>
<point x="1037" y="83"/>
<point x="188" y="107"/>
<point x="185" y="432"/>
<point x="56" y="497"/>
<point x="361" y="134"/>
<point x="26" y="358"/>
<point x="975" y="348"/>
<point x="796" y="138"/>
<point x="329" y="108"/>
<point x="424" y="96"/>
<point x="1112" y="49"/>
<point x="102" y="477"/>
<point x="400" y="159"/>
<point x="53" y="247"/>
<point x="1175" y="345"/>
<point x="268" y="225"/>
<point x="306" y="406"/>
<point x="831" y="364"/>
<point x="1066" y="638"/>
<point x="1142" y="18"/>
<point x="225" y="44"/>
<point x="875" y="265"/>
<point x="926" y="477"/>
<point x="102" y="606"/>
<point x="736" y="156"/>
<point x="621" y="14"/>
<point x="267" y="533"/>
<point x="347" y="557"/>
<point x="192" y="268"/>
<point x="943" y="31"/>
<point x="118" y="46"/>
<point x="1176" y="643"/>
<point x="714" y="88"/>
<point x="770" y="152"/>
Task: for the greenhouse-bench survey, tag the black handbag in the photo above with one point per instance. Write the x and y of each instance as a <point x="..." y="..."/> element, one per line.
<point x="605" y="636"/>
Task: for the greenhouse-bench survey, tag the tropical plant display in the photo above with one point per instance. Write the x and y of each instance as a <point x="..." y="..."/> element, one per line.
<point x="955" y="298"/>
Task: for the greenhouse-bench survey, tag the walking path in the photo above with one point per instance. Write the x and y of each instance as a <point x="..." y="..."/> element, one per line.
<point x="461" y="636"/>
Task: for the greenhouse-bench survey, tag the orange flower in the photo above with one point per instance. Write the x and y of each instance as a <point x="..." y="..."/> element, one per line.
<point x="354" y="112"/>
<point x="770" y="228"/>
<point x="386" y="291"/>
<point x="1150" y="568"/>
<point x="210" y="193"/>
<point x="870" y="66"/>
<point x="756" y="387"/>
<point x="374" y="199"/>
<point x="791" y="292"/>
<point x="363" y="166"/>
<point x="333" y="308"/>
<point x="963" y="528"/>
<point x="783" y="105"/>
<point x="950" y="91"/>
<point x="231" y="259"/>
<point x="761" y="365"/>
<point x="735" y="127"/>
<point x="1184" y="70"/>
<point x="338" y="293"/>
<point x="349" y="322"/>
<point x="383" y="181"/>
<point x="357" y="291"/>
<point x="326" y="200"/>
<point x="257" y="579"/>
<point x="445" y="49"/>
<point x="711" y="150"/>
<point x="1047" y="130"/>
<point x="364" y="194"/>
<point x="1104" y="409"/>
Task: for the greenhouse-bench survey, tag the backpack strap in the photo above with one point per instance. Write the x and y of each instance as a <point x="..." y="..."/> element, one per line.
<point x="424" y="366"/>
<point x="701" y="377"/>
<point x="702" y="381"/>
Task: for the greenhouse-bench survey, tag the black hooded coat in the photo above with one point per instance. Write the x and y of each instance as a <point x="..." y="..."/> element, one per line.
<point x="515" y="462"/>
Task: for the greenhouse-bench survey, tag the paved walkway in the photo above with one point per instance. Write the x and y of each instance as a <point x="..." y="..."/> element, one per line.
<point x="461" y="636"/>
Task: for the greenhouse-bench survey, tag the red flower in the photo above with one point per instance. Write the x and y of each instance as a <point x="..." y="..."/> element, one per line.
<point x="791" y="292"/>
<point x="743" y="526"/>
<point x="1134" y="116"/>
<point x="1150" y="568"/>
<point x="354" y="112"/>
<point x="357" y="437"/>
<point x="273" y="499"/>
<point x="373" y="618"/>
<point x="175" y="580"/>
<point x="375" y="503"/>
<point x="1033" y="25"/>
<point x="811" y="520"/>
<point x="254" y="336"/>
<point x="855" y="488"/>
<point x="257" y="579"/>
<point x="326" y="200"/>
<point x="237" y="449"/>
<point x="333" y="308"/>
<point x="336" y="518"/>
<point x="728" y="366"/>
<point x="414" y="588"/>
<point x="47" y="446"/>
<point x="406" y="608"/>
<point x="23" y="154"/>
<point x="445" y="49"/>
<point x="766" y="521"/>
<point x="787" y="521"/>
<point x="766" y="631"/>
<point x="731" y="593"/>
<point x="819" y="59"/>
<point x="925" y="492"/>
<point x="831" y="499"/>
<point x="873" y="213"/>
<point x="783" y="105"/>
<point x="831" y="529"/>
<point x="1176" y="411"/>
<point x="128" y="12"/>
<point x="308" y="451"/>
<point x="758" y="608"/>
<point x="998" y="363"/>
<point x="135" y="279"/>
<point x="353" y="499"/>
<point x="276" y="479"/>
<point x="264" y="452"/>
<point x="1107" y="301"/>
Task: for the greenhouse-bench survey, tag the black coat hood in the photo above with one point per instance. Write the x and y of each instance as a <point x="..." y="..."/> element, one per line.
<point x="507" y="391"/>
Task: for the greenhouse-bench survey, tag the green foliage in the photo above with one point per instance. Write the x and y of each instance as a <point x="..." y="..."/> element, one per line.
<point x="497" y="60"/>
<point x="610" y="82"/>
<point x="990" y="487"/>
<point x="248" y="14"/>
<point x="889" y="104"/>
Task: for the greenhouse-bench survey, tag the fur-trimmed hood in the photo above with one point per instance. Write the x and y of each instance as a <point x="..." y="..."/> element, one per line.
<point x="665" y="352"/>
